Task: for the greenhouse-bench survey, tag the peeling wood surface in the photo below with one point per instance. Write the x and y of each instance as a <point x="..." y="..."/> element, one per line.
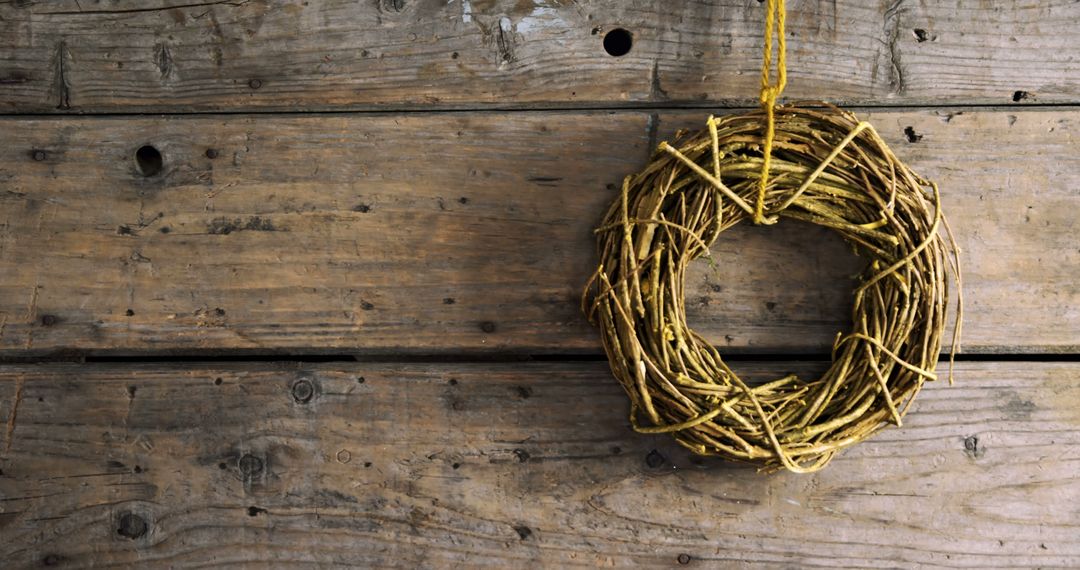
<point x="470" y="232"/>
<point x="127" y="55"/>
<point x="513" y="464"/>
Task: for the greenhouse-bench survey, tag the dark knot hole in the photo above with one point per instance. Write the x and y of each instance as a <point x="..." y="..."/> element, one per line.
<point x="148" y="160"/>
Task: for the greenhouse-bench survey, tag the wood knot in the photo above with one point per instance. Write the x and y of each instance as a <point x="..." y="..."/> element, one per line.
<point x="132" y="526"/>
<point x="303" y="391"/>
<point x="250" y="466"/>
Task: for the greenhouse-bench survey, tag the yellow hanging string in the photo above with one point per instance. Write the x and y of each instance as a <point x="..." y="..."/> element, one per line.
<point x="770" y="92"/>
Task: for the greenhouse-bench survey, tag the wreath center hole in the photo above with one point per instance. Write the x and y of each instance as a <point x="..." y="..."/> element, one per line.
<point x="773" y="289"/>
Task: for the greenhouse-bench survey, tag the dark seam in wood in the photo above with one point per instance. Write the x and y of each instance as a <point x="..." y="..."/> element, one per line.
<point x="892" y="36"/>
<point x="10" y="433"/>
<point x="63" y="88"/>
<point x="137" y="10"/>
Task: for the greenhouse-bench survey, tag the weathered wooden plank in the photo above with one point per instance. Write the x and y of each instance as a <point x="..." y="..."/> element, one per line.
<point x="513" y="464"/>
<point x="127" y="55"/>
<point x="469" y="232"/>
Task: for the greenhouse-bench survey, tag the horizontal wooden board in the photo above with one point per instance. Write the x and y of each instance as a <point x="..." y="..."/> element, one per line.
<point x="178" y="55"/>
<point x="470" y="232"/>
<point x="514" y="464"/>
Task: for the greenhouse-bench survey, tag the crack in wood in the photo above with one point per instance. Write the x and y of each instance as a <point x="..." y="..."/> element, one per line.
<point x="652" y="125"/>
<point x="163" y="59"/>
<point x="504" y="41"/>
<point x="391" y="5"/>
<point x="9" y="434"/>
<point x="60" y="79"/>
<point x="892" y="36"/>
<point x="656" y="92"/>
<point x="233" y="3"/>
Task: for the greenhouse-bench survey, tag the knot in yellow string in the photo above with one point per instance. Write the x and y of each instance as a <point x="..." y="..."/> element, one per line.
<point x="775" y="17"/>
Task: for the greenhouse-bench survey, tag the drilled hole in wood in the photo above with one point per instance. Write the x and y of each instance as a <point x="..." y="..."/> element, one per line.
<point x="148" y="160"/>
<point x="618" y="42"/>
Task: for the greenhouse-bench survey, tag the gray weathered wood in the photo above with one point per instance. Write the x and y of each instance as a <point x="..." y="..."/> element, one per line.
<point x="128" y="55"/>
<point x="470" y="232"/>
<point x="515" y="464"/>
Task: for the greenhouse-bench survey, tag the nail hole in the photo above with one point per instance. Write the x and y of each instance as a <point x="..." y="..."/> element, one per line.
<point x="618" y="42"/>
<point x="148" y="160"/>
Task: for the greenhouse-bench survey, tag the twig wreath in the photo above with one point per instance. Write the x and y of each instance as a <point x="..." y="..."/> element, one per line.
<point x="820" y="165"/>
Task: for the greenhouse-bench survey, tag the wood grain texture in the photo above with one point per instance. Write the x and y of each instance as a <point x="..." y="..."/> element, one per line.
<point x="513" y="464"/>
<point x="174" y="55"/>
<point x="470" y="232"/>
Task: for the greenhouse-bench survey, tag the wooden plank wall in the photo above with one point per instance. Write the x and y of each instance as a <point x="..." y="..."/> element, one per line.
<point x="413" y="184"/>
<point x="510" y="464"/>
<point x="155" y="55"/>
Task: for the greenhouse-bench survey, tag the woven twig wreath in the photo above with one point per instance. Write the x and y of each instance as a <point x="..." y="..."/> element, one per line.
<point x="828" y="169"/>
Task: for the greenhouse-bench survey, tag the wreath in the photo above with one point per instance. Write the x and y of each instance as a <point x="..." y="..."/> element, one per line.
<point x="811" y="162"/>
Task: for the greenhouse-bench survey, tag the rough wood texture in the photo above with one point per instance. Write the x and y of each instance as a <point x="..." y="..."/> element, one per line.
<point x="512" y="465"/>
<point x="128" y="55"/>
<point x="469" y="232"/>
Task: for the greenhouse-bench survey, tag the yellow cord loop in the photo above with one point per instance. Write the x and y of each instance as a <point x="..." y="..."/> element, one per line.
<point x="775" y="16"/>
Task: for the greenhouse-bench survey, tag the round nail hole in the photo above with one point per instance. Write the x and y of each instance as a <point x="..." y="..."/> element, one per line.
<point x="618" y="42"/>
<point x="148" y="160"/>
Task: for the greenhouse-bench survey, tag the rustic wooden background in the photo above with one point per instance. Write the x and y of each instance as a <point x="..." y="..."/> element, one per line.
<point x="340" y="325"/>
